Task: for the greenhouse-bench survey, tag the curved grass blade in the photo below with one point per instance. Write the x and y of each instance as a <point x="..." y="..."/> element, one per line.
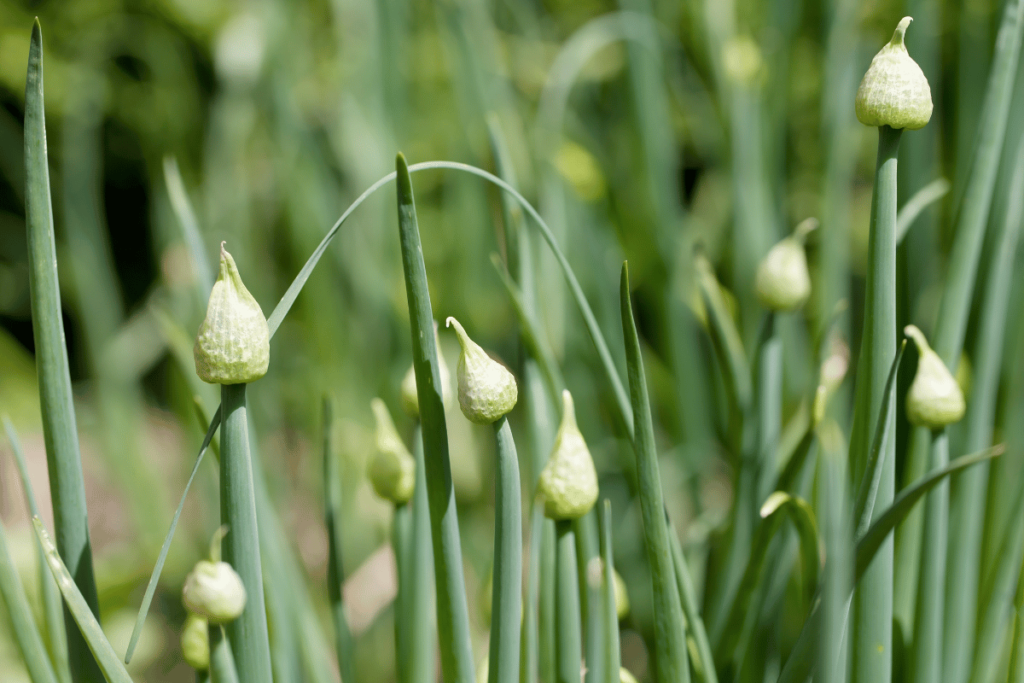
<point x="26" y="633"/>
<point x="610" y="645"/>
<point x="52" y="609"/>
<point x="452" y="612"/>
<point x="506" y="608"/>
<point x="335" y="568"/>
<point x="105" y="658"/>
<point x="60" y="431"/>
<point x="669" y="633"/>
<point x="884" y="425"/>
<point x="915" y="206"/>
<point x="871" y="541"/>
<point x="182" y="208"/>
<point x="725" y="336"/>
<point x="691" y="610"/>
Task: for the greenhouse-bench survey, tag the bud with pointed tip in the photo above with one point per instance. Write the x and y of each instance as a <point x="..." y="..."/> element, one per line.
<point x="195" y="642"/>
<point x="215" y="591"/>
<point x="894" y="91"/>
<point x="934" y="399"/>
<point x="410" y="399"/>
<point x="487" y="391"/>
<point x="233" y="345"/>
<point x="569" y="480"/>
<point x="392" y="468"/>
<point x="783" y="281"/>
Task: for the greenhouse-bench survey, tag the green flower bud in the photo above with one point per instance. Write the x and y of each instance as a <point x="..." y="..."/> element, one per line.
<point x="783" y="281"/>
<point x="410" y="399"/>
<point x="621" y="596"/>
<point x="487" y="391"/>
<point x="213" y="590"/>
<point x="894" y="91"/>
<point x="233" y="345"/>
<point x="569" y="480"/>
<point x="934" y="399"/>
<point x="625" y="676"/>
<point x="392" y="468"/>
<point x="742" y="60"/>
<point x="195" y="642"/>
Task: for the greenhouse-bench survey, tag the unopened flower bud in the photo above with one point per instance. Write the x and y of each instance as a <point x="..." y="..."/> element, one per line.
<point x="410" y="399"/>
<point x="215" y="591"/>
<point x="487" y="391"/>
<point x="233" y="345"/>
<point x="392" y="468"/>
<point x="934" y="399"/>
<point x="894" y="91"/>
<point x="569" y="480"/>
<point x="783" y="281"/>
<point x="195" y="642"/>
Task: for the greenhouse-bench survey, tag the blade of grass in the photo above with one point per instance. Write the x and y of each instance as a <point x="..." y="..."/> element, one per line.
<point x="871" y="633"/>
<point x="26" y="633"/>
<point x="506" y="606"/>
<point x="56" y="638"/>
<point x="335" y="568"/>
<point x="64" y="463"/>
<point x="452" y="612"/>
<point x="189" y="225"/>
<point x="670" y="653"/>
<point x="102" y="654"/>
<point x="568" y="640"/>
<point x="915" y="206"/>
<point x="222" y="661"/>
<point x="691" y="610"/>
<point x="610" y="643"/>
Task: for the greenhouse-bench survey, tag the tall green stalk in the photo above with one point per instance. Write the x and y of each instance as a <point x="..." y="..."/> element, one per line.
<point x="612" y="657"/>
<point x="335" y="569"/>
<point x="506" y="606"/>
<point x="63" y="459"/>
<point x="419" y="606"/>
<point x="241" y="546"/>
<point x="568" y="640"/>
<point x="872" y="620"/>
<point x="452" y="612"/>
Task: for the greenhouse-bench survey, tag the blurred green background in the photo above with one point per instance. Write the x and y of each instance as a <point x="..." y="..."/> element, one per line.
<point x="638" y="129"/>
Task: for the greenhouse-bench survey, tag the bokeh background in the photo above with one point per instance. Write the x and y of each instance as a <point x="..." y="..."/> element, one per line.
<point x="638" y="129"/>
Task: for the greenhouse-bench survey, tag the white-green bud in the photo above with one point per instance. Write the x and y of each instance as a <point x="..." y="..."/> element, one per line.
<point x="783" y="281"/>
<point x="215" y="591"/>
<point x="625" y="676"/>
<point x="569" y="480"/>
<point x="894" y="91"/>
<point x="934" y="399"/>
<point x="233" y="344"/>
<point x="195" y="642"/>
<point x="410" y="399"/>
<point x="392" y="468"/>
<point x="487" y="391"/>
<point x="596" y="578"/>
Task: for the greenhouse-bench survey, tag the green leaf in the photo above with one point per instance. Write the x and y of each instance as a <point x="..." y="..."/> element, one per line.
<point x="670" y="652"/>
<point x="915" y="206"/>
<point x="63" y="459"/>
<point x="452" y="612"/>
<point x="19" y="611"/>
<point x="103" y="653"/>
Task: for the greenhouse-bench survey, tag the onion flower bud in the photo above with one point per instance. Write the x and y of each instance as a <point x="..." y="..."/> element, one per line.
<point x="934" y="399"/>
<point x="894" y="91"/>
<point x="392" y="469"/>
<point x="569" y="480"/>
<point x="487" y="391"/>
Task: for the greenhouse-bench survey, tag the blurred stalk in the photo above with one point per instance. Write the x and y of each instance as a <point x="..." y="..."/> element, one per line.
<point x="64" y="464"/>
<point x="871" y="630"/>
<point x="401" y="546"/>
<point x="241" y="546"/>
<point x="222" y="662"/>
<point x="335" y="568"/>
<point x="587" y="551"/>
<point x="609" y="652"/>
<point x="548" y="608"/>
<point x="838" y="533"/>
<point x="1017" y="650"/>
<point x="419" y="606"/>
<point x="568" y="642"/>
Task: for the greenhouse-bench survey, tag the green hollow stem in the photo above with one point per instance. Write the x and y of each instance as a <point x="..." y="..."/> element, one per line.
<point x="507" y="594"/>
<point x="419" y="606"/>
<point x="610" y="654"/>
<point x="401" y="545"/>
<point x="452" y="610"/>
<point x="547" y="621"/>
<point x="60" y="432"/>
<point x="836" y="525"/>
<point x="335" y="568"/>
<point x="670" y="655"/>
<point x="872" y="618"/>
<point x="222" y="662"/>
<point x="568" y="639"/>
<point x="241" y="546"/>
<point x="926" y="666"/>
<point x="588" y="549"/>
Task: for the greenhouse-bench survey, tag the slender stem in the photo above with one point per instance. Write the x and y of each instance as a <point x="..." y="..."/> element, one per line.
<point x="688" y="596"/>
<point x="335" y="568"/>
<point x="1017" y="651"/>
<point x="241" y="546"/>
<point x="872" y="625"/>
<point x="835" y="593"/>
<point x="568" y="642"/>
<point x="507" y="593"/>
<point x="926" y="666"/>
<point x="222" y="663"/>
<point x="401" y="545"/>
<point x="419" y="608"/>
<point x="588" y="550"/>
<point x="547" y="620"/>
<point x="610" y="651"/>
